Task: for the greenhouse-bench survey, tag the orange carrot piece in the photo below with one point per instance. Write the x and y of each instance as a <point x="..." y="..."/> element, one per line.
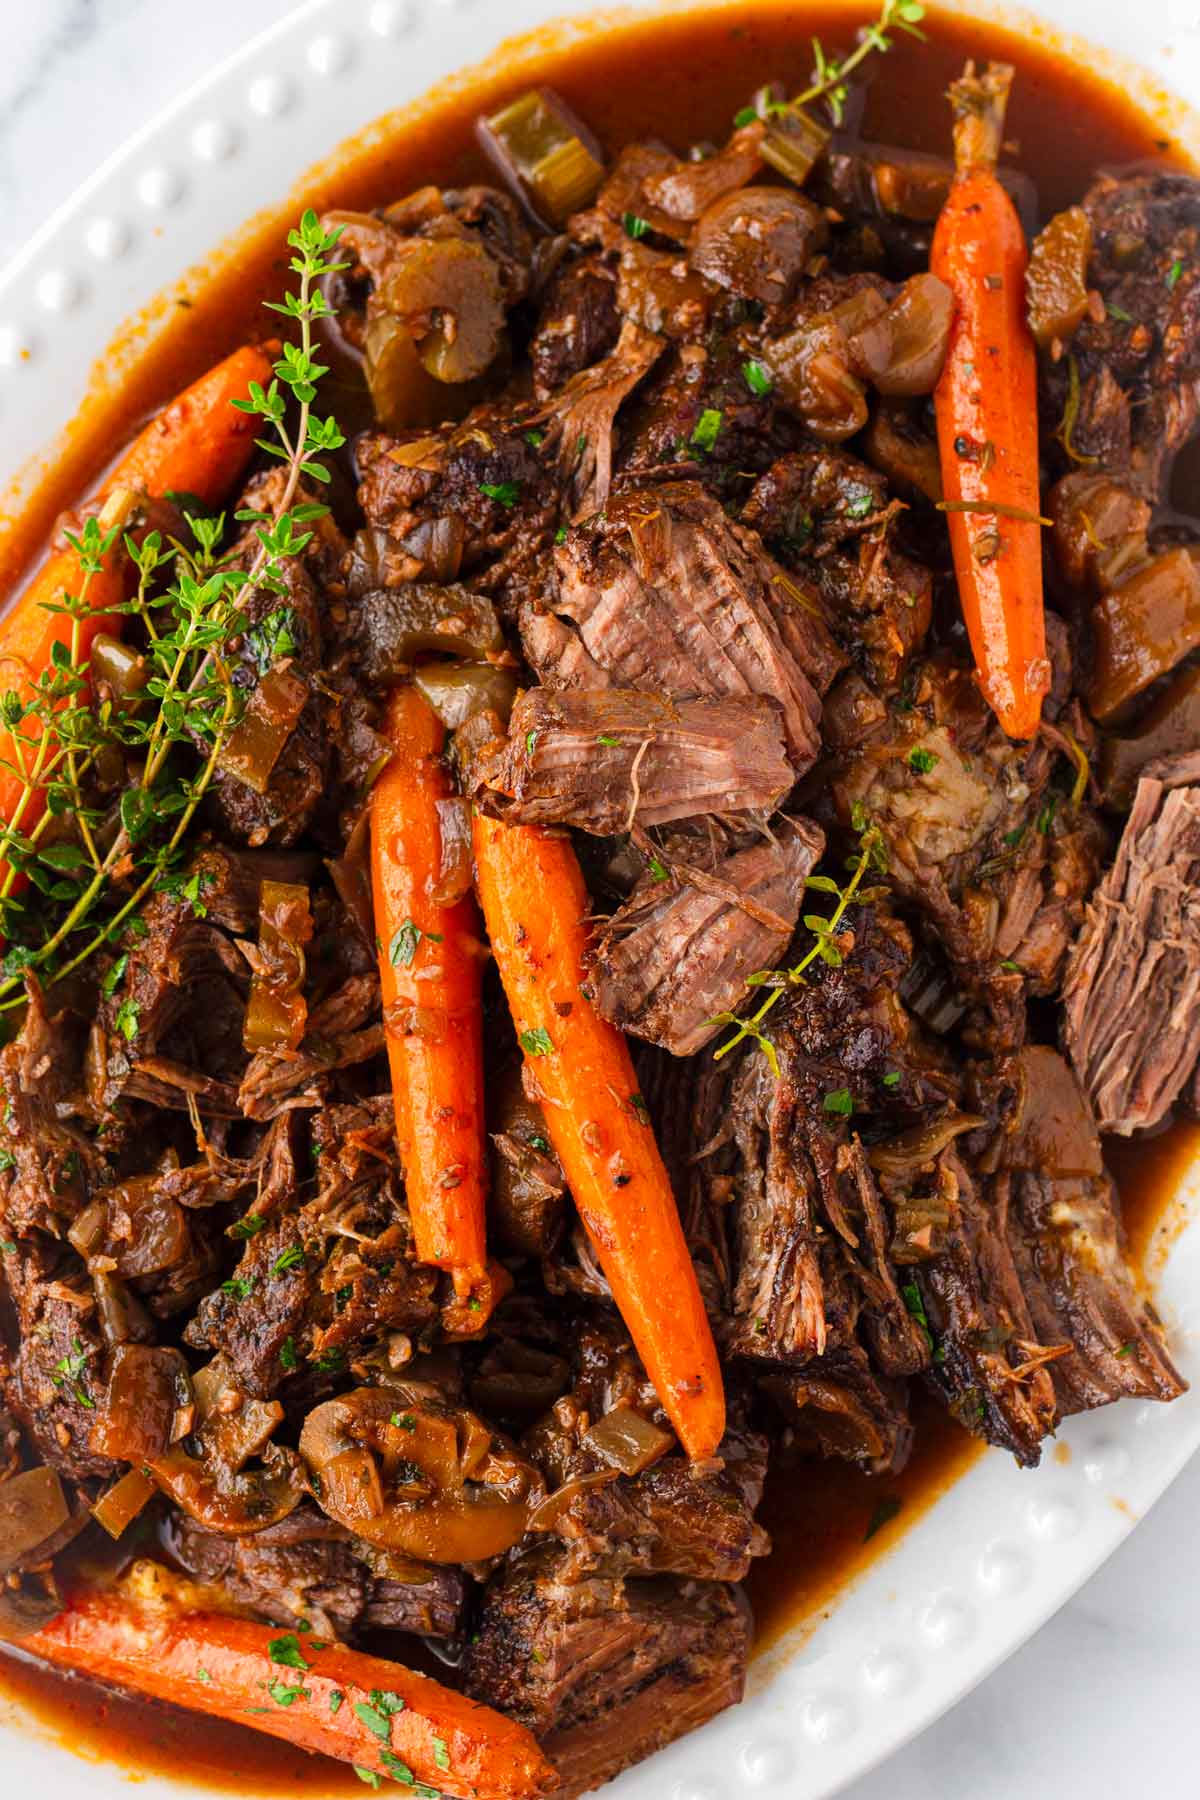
<point x="986" y="403"/>
<point x="535" y="905"/>
<point x="386" y="1717"/>
<point x="431" y="969"/>
<point x="200" y="444"/>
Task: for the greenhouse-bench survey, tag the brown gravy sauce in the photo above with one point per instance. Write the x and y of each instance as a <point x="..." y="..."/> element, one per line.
<point x="828" y="1521"/>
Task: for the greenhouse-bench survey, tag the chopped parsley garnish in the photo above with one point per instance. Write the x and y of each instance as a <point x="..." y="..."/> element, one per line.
<point x="1126" y="1350"/>
<point x="531" y="738"/>
<point x="707" y="430"/>
<point x="747" y="116"/>
<point x="336" y="1700"/>
<point x="757" y="379"/>
<point x="634" y="227"/>
<point x="286" y="1651"/>
<point x="291" y="1258"/>
<point x="374" y="1720"/>
<point x="537" y="1042"/>
<point x="860" y="505"/>
<point x="112" y="979"/>
<point x="371" y="1776"/>
<point x="605" y="739"/>
<point x="840" y="1102"/>
<point x="8" y="1246"/>
<point x="1173" y="273"/>
<point x="404" y="944"/>
<point x="1118" y="312"/>
<point x="399" y="1771"/>
<point x="7" y="1160"/>
<point x="203" y="1675"/>
<point x="1013" y="838"/>
<point x="921" y="761"/>
<point x="1045" y="818"/>
<point x="536" y="1142"/>
<point x="441" y="1753"/>
<point x="248" y="1226"/>
<point x="910" y="1293"/>
<point x="330" y="1361"/>
<point x="240" y="1286"/>
<point x="287" y="1696"/>
<point x="404" y="1421"/>
<point x="287" y="1353"/>
<point x="68" y="1373"/>
<point x="560" y="536"/>
<point x="658" y="871"/>
<point x="507" y="493"/>
<point x="127" y="1019"/>
<point x="535" y="439"/>
<point x="640" y="1108"/>
<point x="892" y="1078"/>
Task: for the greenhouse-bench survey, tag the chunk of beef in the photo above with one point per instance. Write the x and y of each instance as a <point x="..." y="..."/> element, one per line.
<point x="997" y="866"/>
<point x="813" y="1257"/>
<point x="55" y="1375"/>
<point x="527" y="1192"/>
<point x="675" y="1518"/>
<point x="585" y="416"/>
<point x="605" y="1671"/>
<point x="344" y="1030"/>
<point x="577" y="325"/>
<point x="478" y="499"/>
<point x="1136" y="353"/>
<point x="837" y="1405"/>
<point x="667" y="594"/>
<point x="307" y="1567"/>
<point x="680" y="949"/>
<point x="328" y="1276"/>
<point x="1131" y="993"/>
<point x="1064" y="1226"/>
<point x="159" y="1044"/>
<point x="48" y="1159"/>
<point x="609" y="760"/>
<point x="826" y="515"/>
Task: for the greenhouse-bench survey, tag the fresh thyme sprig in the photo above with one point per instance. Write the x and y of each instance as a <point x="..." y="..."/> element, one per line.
<point x="871" y="854"/>
<point x="95" y="866"/>
<point x="830" y="75"/>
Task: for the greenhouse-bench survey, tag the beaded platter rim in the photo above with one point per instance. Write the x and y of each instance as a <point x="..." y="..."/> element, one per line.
<point x="998" y="1553"/>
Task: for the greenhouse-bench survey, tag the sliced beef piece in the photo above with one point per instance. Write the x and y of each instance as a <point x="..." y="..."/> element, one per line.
<point x="307" y="1567"/>
<point x="814" y="1267"/>
<point x="478" y="499"/>
<point x="55" y="1377"/>
<point x="320" y="1282"/>
<point x="1131" y="993"/>
<point x="990" y="1362"/>
<point x="837" y="1405"/>
<point x="681" y="948"/>
<point x="49" y="1161"/>
<point x="826" y="515"/>
<point x="1137" y="353"/>
<point x="997" y="863"/>
<point x="605" y="1671"/>
<point x="608" y="761"/>
<point x="674" y="1518"/>
<point x="344" y="1030"/>
<point x="577" y="325"/>
<point x="583" y="417"/>
<point x="155" y="1041"/>
<point x="1064" y="1225"/>
<point x="667" y="594"/>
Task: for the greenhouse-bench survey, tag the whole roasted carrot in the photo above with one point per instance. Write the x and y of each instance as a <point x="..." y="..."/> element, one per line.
<point x="200" y="444"/>
<point x="385" y="1719"/>
<point x="535" y="906"/>
<point x="986" y="403"/>
<point x="431" y="969"/>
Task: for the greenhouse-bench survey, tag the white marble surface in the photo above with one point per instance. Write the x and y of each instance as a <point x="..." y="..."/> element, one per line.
<point x="1104" y="1700"/>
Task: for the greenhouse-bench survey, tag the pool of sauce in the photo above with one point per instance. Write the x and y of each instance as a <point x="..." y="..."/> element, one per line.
<point x="828" y="1521"/>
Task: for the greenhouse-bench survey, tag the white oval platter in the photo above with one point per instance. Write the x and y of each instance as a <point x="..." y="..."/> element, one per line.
<point x="989" y="1563"/>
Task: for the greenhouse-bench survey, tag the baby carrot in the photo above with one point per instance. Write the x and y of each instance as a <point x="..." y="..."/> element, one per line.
<point x="986" y="403"/>
<point x="387" y="1720"/>
<point x="535" y="905"/>
<point x="431" y="969"/>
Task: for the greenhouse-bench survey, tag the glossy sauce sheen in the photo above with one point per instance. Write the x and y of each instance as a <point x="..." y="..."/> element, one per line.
<point x="828" y="1521"/>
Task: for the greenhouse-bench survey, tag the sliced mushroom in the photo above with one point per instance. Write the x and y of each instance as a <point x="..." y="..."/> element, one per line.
<point x="406" y="1472"/>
